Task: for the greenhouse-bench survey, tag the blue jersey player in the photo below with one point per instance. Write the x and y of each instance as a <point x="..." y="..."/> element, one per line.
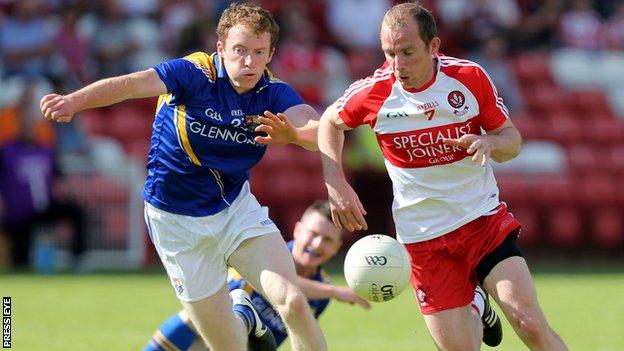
<point x="316" y="240"/>
<point x="215" y="115"/>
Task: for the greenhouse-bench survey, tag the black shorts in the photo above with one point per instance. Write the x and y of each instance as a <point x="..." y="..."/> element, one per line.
<point x="508" y="248"/>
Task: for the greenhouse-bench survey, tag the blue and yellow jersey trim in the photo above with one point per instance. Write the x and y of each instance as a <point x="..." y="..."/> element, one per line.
<point x="219" y="181"/>
<point x="179" y="119"/>
<point x="205" y="63"/>
<point x="163" y="100"/>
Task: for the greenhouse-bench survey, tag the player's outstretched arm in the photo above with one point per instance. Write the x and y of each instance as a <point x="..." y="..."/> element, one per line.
<point x="61" y="108"/>
<point x="315" y="290"/>
<point x="298" y="125"/>
<point x="347" y="210"/>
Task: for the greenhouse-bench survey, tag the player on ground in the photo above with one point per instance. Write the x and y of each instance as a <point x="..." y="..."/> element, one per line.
<point x="200" y="213"/>
<point x="428" y="112"/>
<point x="315" y="241"/>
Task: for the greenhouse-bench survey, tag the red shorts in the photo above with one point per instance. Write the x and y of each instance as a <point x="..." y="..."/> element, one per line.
<point x="443" y="269"/>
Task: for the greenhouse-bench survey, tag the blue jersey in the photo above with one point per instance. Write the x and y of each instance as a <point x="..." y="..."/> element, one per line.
<point x="266" y="312"/>
<point x="202" y="145"/>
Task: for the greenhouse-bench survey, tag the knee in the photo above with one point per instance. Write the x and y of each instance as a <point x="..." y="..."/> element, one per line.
<point x="292" y="304"/>
<point x="531" y="326"/>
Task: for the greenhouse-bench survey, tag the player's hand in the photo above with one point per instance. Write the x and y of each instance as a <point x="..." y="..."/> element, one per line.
<point x="346" y="208"/>
<point x="345" y="294"/>
<point x="478" y="146"/>
<point x="57" y="108"/>
<point x="278" y="128"/>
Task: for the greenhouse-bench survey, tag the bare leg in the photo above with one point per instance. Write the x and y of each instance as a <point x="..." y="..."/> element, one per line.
<point x="456" y="329"/>
<point x="511" y="285"/>
<point x="266" y="263"/>
<point x="216" y="323"/>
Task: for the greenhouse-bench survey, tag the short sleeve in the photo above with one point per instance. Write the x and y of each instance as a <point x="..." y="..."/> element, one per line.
<point x="181" y="77"/>
<point x="350" y="109"/>
<point x="361" y="102"/>
<point x="492" y="111"/>
<point x="283" y="97"/>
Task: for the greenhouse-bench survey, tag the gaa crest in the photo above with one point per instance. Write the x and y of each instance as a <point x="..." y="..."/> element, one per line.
<point x="252" y="121"/>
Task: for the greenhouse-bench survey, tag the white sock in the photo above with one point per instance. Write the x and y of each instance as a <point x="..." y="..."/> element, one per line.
<point x="478" y="303"/>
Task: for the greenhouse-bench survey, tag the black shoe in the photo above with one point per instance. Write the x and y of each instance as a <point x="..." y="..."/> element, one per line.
<point x="492" y="327"/>
<point x="260" y="338"/>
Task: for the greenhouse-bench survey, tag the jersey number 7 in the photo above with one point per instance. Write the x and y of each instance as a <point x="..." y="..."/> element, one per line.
<point x="430" y="114"/>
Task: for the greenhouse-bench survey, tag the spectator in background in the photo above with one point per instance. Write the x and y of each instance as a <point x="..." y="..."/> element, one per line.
<point x="315" y="71"/>
<point x="73" y="48"/>
<point x="353" y="31"/>
<point x="112" y="44"/>
<point x="196" y="33"/>
<point x="493" y="57"/>
<point x="142" y="8"/>
<point x="27" y="172"/>
<point x="615" y="28"/>
<point x="539" y="24"/>
<point x="26" y="41"/>
<point x="11" y="115"/>
<point x="581" y="27"/>
<point x="174" y="16"/>
<point x="352" y="25"/>
<point x="485" y="18"/>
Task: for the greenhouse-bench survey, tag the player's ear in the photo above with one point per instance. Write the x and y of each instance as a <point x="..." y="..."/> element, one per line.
<point x="434" y="46"/>
<point x="297" y="230"/>
<point x="271" y="54"/>
<point x="220" y="47"/>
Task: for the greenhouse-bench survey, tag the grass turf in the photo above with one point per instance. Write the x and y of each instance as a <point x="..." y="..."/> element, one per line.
<point x="120" y="311"/>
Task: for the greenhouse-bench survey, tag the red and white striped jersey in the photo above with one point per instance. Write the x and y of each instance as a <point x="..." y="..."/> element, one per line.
<point x="437" y="188"/>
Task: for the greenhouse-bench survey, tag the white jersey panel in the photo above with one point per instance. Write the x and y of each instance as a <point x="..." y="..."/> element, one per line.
<point x="424" y="207"/>
<point x="437" y="188"/>
<point x="404" y="111"/>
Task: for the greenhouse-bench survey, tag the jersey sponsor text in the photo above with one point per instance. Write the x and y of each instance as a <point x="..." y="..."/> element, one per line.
<point x="215" y="132"/>
<point x="423" y="148"/>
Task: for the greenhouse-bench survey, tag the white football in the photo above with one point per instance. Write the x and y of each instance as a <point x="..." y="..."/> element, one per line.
<point x="377" y="268"/>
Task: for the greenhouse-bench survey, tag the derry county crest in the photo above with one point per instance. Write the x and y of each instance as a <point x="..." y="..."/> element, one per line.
<point x="456" y="99"/>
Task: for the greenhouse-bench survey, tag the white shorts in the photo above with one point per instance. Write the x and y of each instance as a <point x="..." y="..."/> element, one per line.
<point x="195" y="250"/>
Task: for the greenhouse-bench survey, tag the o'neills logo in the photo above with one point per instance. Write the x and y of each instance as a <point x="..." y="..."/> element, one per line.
<point x="456" y="99"/>
<point x="425" y="147"/>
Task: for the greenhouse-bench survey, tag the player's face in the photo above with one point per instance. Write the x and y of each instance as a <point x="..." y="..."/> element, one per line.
<point x="316" y="240"/>
<point x="245" y="56"/>
<point x="411" y="58"/>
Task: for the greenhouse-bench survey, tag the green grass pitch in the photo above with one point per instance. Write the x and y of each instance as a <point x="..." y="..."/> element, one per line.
<point x="120" y="312"/>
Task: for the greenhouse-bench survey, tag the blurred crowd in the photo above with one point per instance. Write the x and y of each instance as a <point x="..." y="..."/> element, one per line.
<point x="61" y="45"/>
<point x="323" y="44"/>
